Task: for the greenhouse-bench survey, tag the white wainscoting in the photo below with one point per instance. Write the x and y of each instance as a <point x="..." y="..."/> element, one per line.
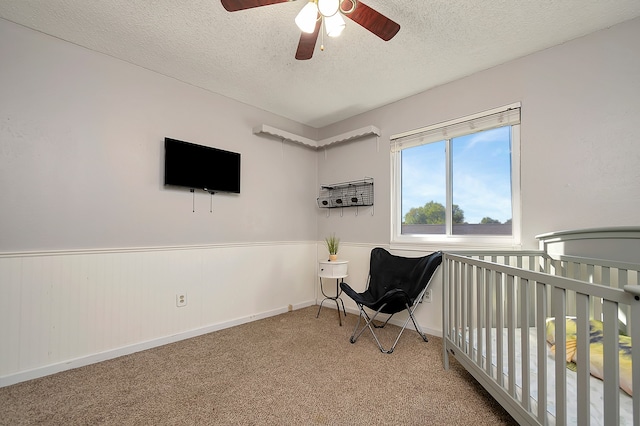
<point x="62" y="310"/>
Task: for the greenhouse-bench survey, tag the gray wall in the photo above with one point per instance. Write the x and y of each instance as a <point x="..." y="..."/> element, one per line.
<point x="81" y="148"/>
<point x="579" y="144"/>
<point x="81" y="156"/>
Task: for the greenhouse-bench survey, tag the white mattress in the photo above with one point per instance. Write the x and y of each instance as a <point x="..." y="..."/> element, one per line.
<point x="596" y="395"/>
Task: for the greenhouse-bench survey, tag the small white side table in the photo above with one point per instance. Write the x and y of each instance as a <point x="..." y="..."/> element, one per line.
<point x="333" y="270"/>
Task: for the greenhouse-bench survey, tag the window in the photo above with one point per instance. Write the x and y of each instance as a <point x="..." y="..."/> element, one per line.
<point x="458" y="182"/>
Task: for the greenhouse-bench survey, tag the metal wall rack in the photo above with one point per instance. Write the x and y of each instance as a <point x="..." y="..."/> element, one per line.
<point x="346" y="194"/>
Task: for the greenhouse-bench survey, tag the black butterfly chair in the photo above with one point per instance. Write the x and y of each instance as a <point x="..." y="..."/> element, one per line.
<point x="395" y="283"/>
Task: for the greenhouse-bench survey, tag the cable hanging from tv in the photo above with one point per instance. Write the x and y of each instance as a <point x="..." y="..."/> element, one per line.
<point x="193" y="201"/>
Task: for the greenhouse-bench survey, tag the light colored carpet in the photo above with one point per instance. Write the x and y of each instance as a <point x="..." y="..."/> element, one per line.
<point x="291" y="369"/>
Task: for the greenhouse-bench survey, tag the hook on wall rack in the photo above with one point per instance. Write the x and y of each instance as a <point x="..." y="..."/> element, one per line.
<point x="372" y="208"/>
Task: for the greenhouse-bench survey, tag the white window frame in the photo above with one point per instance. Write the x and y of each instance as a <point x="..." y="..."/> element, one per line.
<point x="497" y="117"/>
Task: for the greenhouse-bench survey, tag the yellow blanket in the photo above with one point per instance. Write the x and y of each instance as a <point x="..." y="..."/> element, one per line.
<point x="595" y="349"/>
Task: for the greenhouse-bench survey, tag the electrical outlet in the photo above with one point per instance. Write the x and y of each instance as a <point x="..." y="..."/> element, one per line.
<point x="181" y="300"/>
<point x="427" y="296"/>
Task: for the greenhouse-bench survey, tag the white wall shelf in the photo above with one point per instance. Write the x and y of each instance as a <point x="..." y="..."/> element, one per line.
<point x="264" y="129"/>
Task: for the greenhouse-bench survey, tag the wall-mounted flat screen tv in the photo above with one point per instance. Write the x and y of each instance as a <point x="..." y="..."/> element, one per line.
<point x="201" y="167"/>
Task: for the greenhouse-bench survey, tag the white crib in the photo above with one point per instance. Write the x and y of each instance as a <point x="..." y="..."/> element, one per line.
<point x="495" y="308"/>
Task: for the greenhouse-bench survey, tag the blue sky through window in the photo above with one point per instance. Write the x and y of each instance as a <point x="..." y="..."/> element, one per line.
<point x="481" y="168"/>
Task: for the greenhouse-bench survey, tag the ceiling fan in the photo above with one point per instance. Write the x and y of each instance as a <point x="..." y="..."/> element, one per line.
<point x="328" y="13"/>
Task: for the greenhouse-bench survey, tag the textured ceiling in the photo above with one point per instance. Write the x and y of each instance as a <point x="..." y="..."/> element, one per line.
<point x="249" y="55"/>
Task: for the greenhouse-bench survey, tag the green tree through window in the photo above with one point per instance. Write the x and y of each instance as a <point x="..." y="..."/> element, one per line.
<point x="432" y="213"/>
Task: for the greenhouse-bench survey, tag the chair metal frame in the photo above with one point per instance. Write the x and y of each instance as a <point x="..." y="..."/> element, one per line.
<point x="369" y="324"/>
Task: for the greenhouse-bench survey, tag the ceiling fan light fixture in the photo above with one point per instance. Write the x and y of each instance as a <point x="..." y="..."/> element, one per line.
<point x="328" y="7"/>
<point x="306" y="19"/>
<point x="334" y="25"/>
<point x="311" y="21"/>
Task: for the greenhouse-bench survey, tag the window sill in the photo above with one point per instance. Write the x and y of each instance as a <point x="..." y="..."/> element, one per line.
<point x="452" y="243"/>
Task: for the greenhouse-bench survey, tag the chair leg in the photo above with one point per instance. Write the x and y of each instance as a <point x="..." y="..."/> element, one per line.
<point x="415" y="324"/>
<point x="363" y="314"/>
<point x="369" y="322"/>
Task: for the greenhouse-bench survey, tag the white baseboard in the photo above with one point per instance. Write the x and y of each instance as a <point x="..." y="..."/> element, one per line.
<point x="47" y="370"/>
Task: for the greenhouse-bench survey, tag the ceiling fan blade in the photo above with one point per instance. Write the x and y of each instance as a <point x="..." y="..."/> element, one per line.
<point x="235" y="5"/>
<point x="371" y="19"/>
<point x="307" y="43"/>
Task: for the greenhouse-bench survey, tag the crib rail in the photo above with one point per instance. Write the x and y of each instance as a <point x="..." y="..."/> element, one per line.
<point x="515" y="292"/>
<point x="597" y="271"/>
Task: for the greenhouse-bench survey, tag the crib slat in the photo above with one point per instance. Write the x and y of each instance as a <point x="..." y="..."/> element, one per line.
<point x="572" y="271"/>
<point x="606" y="276"/>
<point x="455" y="300"/>
<point x="446" y="319"/>
<point x="524" y="342"/>
<point x="557" y="267"/>
<point x="541" y="308"/>
<point x="623" y="277"/>
<point x="533" y="262"/>
<point x="499" y="329"/>
<point x="480" y="312"/>
<point x="611" y="362"/>
<point x="469" y="317"/>
<point x="560" y="313"/>
<point x="462" y="301"/>
<point x="511" y="335"/>
<point x="594" y="307"/>
<point x="489" y="285"/>
<point x="583" y="359"/>
<point x="623" y="280"/>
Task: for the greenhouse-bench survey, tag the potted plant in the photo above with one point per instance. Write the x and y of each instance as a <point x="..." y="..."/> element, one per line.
<point x="332" y="243"/>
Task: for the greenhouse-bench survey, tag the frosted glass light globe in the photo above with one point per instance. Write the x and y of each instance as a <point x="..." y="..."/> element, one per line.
<point x="306" y="19"/>
<point x="328" y="7"/>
